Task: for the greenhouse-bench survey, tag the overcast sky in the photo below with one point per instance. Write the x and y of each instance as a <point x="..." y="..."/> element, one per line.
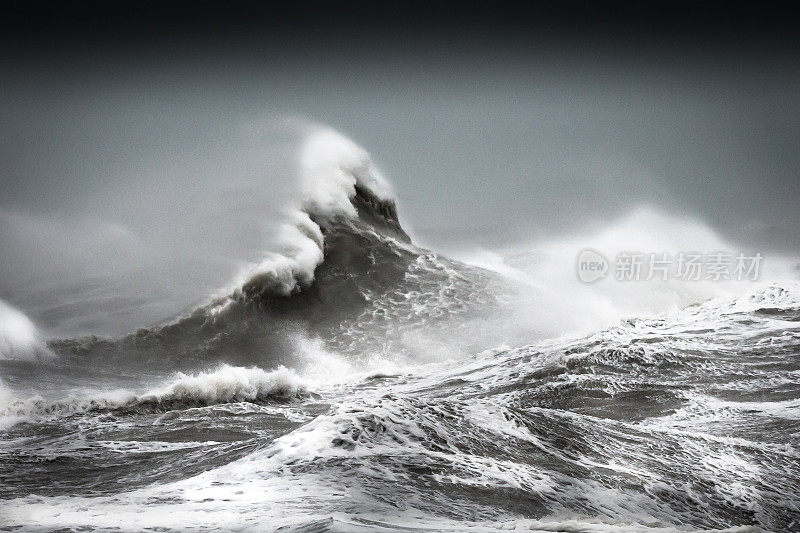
<point x="113" y="151"/>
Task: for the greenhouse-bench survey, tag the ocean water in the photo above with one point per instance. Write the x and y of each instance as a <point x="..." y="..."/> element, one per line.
<point x="353" y="381"/>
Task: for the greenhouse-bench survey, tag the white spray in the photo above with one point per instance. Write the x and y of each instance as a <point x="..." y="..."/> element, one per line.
<point x="331" y="166"/>
<point x="19" y="338"/>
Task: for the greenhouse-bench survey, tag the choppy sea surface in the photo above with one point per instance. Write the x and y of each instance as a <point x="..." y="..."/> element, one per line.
<point x="360" y="383"/>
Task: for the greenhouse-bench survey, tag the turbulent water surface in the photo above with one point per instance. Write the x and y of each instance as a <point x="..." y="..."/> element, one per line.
<point x="355" y="382"/>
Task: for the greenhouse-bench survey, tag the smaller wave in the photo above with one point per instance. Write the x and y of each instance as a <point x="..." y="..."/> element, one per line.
<point x="19" y="338"/>
<point x="227" y="384"/>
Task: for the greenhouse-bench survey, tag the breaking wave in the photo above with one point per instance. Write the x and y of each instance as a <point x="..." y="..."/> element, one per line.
<point x="338" y="182"/>
<point x="343" y="270"/>
<point x="227" y="384"/>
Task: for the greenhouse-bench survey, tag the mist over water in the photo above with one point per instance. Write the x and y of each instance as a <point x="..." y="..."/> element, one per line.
<point x="570" y="305"/>
<point x="173" y="232"/>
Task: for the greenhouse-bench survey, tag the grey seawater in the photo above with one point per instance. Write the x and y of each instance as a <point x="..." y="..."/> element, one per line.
<point x="685" y="422"/>
<point x="370" y="399"/>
